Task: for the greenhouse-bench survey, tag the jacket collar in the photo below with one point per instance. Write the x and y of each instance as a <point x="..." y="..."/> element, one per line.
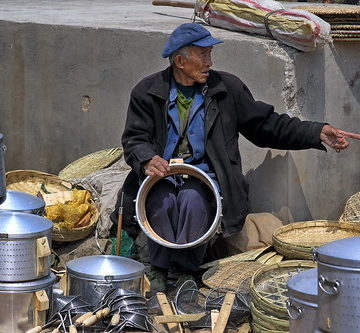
<point x="162" y="84"/>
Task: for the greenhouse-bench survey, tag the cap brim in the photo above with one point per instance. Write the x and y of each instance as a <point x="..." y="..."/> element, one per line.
<point x="207" y="41"/>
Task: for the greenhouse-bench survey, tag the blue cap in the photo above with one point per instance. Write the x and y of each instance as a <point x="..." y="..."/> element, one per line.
<point x="188" y="34"/>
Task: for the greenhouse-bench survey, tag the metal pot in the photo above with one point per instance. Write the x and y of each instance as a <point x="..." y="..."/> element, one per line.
<point x="92" y="276"/>
<point x="302" y="303"/>
<point x="25" y="242"/>
<point x="25" y="304"/>
<point x="339" y="280"/>
<point x="149" y="182"/>
<point x="17" y="201"/>
<point x="2" y="171"/>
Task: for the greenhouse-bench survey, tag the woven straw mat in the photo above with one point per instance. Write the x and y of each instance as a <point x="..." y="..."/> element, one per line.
<point x="352" y="209"/>
<point x="233" y="275"/>
<point x="331" y="10"/>
<point x="33" y="182"/>
<point x="90" y="163"/>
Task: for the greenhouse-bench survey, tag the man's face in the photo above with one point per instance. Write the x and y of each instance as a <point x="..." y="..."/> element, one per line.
<point x="195" y="65"/>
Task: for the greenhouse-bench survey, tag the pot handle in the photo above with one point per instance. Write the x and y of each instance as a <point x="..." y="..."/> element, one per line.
<point x="98" y="285"/>
<point x="330" y="288"/>
<point x="43" y="252"/>
<point x="41" y="305"/>
<point x="293" y="311"/>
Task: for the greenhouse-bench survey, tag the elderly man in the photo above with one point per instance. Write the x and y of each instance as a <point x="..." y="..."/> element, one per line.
<point x="193" y="112"/>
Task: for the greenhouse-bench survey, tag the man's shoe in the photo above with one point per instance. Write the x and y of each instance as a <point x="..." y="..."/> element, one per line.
<point x="158" y="280"/>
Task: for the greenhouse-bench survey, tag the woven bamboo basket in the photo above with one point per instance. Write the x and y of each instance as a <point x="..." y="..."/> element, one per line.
<point x="90" y="163"/>
<point x="268" y="286"/>
<point x="64" y="235"/>
<point x="298" y="240"/>
<point x="352" y="209"/>
<point x="34" y="182"/>
<point x="269" y="322"/>
<point x="256" y="328"/>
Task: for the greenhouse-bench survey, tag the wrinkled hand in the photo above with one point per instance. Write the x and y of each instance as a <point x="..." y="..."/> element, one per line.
<point x="157" y="166"/>
<point x="336" y="138"/>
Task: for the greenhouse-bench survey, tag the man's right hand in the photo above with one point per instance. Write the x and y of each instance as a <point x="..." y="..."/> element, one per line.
<point x="157" y="166"/>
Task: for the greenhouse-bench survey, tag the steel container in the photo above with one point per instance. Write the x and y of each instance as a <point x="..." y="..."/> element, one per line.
<point x="22" y="202"/>
<point x="92" y="276"/>
<point x="302" y="303"/>
<point x="149" y="182"/>
<point x="25" y="304"/>
<point x="339" y="285"/>
<point x="25" y="243"/>
<point x="2" y="170"/>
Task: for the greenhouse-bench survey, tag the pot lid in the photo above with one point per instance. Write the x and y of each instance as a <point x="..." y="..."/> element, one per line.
<point x="304" y="285"/>
<point x="105" y="267"/>
<point x="22" y="225"/>
<point x="21" y="201"/>
<point x="29" y="286"/>
<point x="343" y="252"/>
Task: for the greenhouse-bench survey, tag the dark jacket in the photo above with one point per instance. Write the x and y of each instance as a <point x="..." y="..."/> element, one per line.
<point x="230" y="110"/>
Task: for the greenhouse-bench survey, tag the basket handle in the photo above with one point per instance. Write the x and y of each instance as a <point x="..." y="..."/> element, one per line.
<point x="330" y="288"/>
<point x="293" y="311"/>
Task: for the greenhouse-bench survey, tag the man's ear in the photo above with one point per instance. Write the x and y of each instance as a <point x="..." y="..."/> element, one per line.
<point x="179" y="61"/>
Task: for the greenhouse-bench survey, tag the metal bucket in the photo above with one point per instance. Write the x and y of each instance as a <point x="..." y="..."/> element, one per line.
<point x="149" y="182"/>
<point x="2" y="171"/>
<point x="338" y="281"/>
<point x="25" y="304"/>
<point x="25" y="246"/>
<point x="92" y="276"/>
<point x="302" y="303"/>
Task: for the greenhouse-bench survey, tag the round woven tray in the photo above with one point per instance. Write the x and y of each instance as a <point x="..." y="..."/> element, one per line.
<point x="90" y="163"/>
<point x="297" y="240"/>
<point x="234" y="275"/>
<point x="268" y="286"/>
<point x="33" y="182"/>
<point x="269" y="322"/>
<point x="64" y="235"/>
<point x="352" y="209"/>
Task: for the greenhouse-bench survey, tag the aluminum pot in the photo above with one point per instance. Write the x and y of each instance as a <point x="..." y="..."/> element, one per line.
<point x="149" y="182"/>
<point x="2" y="171"/>
<point x="21" y="202"/>
<point x="339" y="281"/>
<point x="25" y="242"/>
<point x="92" y="276"/>
<point x="28" y="304"/>
<point x="302" y="303"/>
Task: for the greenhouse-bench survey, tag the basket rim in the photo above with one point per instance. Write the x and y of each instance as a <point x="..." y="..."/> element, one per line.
<point x="267" y="318"/>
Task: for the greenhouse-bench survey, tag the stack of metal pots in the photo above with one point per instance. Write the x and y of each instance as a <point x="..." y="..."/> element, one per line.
<point x="2" y="171"/>
<point x="327" y="299"/>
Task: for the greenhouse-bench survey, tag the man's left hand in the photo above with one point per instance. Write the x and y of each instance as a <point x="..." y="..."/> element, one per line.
<point x="336" y="138"/>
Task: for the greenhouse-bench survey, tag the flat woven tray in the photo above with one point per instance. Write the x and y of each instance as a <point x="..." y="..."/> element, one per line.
<point x="234" y="275"/>
<point x="90" y="163"/>
<point x="268" y="286"/>
<point x="266" y="321"/>
<point x="33" y="182"/>
<point x="297" y="240"/>
<point x="352" y="209"/>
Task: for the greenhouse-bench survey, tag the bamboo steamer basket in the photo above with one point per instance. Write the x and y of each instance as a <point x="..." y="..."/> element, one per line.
<point x="298" y="240"/>
<point x="268" y="286"/>
<point x="267" y="321"/>
<point x="256" y="328"/>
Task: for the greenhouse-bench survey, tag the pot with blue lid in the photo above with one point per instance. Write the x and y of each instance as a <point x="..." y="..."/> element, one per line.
<point x="92" y="276"/>
<point x="339" y="285"/>
<point x="302" y="303"/>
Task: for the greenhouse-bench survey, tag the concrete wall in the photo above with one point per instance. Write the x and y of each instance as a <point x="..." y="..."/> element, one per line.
<point x="49" y="71"/>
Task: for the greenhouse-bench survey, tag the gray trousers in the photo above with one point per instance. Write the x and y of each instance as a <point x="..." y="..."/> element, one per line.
<point x="180" y="211"/>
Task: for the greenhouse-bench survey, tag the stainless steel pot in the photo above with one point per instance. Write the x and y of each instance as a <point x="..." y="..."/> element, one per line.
<point x="26" y="304"/>
<point x="302" y="303"/>
<point x="25" y="242"/>
<point x="92" y="276"/>
<point x="17" y="201"/>
<point x="149" y="182"/>
<point x="339" y="281"/>
<point x="2" y="171"/>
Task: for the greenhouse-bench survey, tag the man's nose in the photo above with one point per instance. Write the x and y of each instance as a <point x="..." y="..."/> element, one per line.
<point x="208" y="61"/>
